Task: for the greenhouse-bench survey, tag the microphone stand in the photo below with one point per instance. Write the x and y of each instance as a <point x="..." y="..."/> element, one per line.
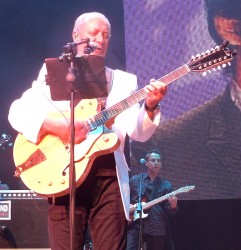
<point x="71" y="77"/>
<point x="139" y="209"/>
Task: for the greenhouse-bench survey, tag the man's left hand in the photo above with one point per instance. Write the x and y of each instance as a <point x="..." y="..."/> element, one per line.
<point x="156" y="90"/>
<point x="172" y="200"/>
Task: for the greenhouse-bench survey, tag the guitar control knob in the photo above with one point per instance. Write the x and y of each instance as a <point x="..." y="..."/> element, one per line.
<point x="50" y="183"/>
<point x="105" y="139"/>
<point x="62" y="181"/>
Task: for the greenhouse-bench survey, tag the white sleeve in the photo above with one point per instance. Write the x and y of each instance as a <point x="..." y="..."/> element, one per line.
<point x="27" y="113"/>
<point x="135" y="120"/>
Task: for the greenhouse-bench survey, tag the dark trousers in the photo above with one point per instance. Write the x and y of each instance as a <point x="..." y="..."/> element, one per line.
<point x="149" y="242"/>
<point x="98" y="202"/>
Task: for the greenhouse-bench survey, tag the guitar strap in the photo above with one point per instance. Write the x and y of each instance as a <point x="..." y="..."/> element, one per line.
<point x="156" y="185"/>
<point x="109" y="77"/>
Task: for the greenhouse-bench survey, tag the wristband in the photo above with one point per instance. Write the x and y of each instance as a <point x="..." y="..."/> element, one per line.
<point x="152" y="109"/>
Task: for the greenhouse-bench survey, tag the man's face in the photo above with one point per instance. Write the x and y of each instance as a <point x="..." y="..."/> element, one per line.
<point x="97" y="30"/>
<point x="154" y="163"/>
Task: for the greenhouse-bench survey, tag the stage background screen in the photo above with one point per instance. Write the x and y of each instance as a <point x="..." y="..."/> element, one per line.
<point x="199" y="135"/>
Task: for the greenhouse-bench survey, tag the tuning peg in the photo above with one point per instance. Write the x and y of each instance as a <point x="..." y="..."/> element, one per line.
<point x="229" y="63"/>
<point x="224" y="65"/>
<point x="219" y="67"/>
<point x="208" y="71"/>
<point x="207" y="51"/>
<point x="234" y="52"/>
<point x="225" y="43"/>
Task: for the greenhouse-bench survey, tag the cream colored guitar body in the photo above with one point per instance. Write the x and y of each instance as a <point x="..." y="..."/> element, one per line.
<point x="44" y="167"/>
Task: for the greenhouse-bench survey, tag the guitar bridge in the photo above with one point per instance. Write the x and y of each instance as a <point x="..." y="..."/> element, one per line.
<point x="37" y="157"/>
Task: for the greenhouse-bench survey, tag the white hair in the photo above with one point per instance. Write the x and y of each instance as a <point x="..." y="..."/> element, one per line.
<point x="82" y="19"/>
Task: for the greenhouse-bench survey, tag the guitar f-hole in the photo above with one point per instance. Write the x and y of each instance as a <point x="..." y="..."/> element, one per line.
<point x="64" y="171"/>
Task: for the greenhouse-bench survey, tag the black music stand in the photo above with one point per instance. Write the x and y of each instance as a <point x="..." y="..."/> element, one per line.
<point x="75" y="78"/>
<point x="90" y="79"/>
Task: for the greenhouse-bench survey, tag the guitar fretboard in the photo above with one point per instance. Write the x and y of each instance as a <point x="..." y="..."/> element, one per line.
<point x="164" y="197"/>
<point x="109" y="113"/>
<point x="175" y="74"/>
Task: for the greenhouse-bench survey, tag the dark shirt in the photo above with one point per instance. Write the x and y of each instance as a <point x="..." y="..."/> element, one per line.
<point x="155" y="223"/>
<point x="103" y="166"/>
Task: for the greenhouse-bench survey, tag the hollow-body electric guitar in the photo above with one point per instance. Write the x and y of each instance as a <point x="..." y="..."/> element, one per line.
<point x="134" y="214"/>
<point x="44" y="167"/>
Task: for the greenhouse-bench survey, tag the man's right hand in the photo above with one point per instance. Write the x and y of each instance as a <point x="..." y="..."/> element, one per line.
<point x="59" y="125"/>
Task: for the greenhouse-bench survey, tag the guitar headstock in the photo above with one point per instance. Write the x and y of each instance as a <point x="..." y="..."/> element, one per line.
<point x="5" y="141"/>
<point x="186" y="189"/>
<point x="216" y="57"/>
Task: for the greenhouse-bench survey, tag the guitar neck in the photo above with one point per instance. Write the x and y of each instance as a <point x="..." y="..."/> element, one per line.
<point x="154" y="202"/>
<point x="111" y="112"/>
<point x="165" y="197"/>
<point x="174" y="75"/>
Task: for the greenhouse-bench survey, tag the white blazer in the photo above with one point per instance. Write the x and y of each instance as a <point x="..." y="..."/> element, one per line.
<point x="27" y="114"/>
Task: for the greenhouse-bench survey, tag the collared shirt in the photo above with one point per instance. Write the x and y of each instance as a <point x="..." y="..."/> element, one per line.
<point x="155" y="223"/>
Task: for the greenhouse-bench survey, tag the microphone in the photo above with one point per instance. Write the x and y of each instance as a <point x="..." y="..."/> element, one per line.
<point x="93" y="45"/>
<point x="90" y="47"/>
<point x="142" y="161"/>
<point x="70" y="46"/>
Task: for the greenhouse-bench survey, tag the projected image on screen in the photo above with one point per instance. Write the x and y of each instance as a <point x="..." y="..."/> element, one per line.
<point x="200" y="132"/>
